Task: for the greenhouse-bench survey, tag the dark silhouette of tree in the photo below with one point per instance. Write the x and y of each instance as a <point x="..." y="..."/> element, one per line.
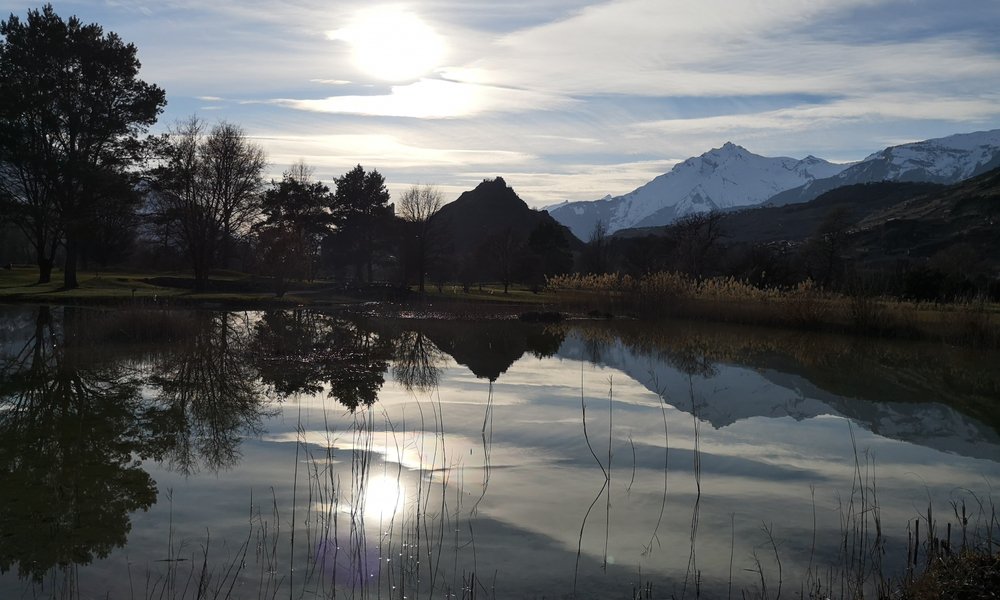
<point x="361" y="212"/>
<point x="638" y="256"/>
<point x="825" y="249"/>
<point x="209" y="187"/>
<point x="696" y="240"/>
<point x="234" y="168"/>
<point x="548" y="254"/>
<point x="296" y="219"/>
<point x="30" y="205"/>
<point x="72" y="110"/>
<point x="111" y="235"/>
<point x="417" y="207"/>
<point x="501" y="255"/>
<point x="70" y="435"/>
<point x="595" y="255"/>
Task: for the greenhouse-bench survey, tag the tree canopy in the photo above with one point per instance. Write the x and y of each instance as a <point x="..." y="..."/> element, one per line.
<point x="296" y="218"/>
<point x="361" y="210"/>
<point x="72" y="113"/>
<point x="209" y="186"/>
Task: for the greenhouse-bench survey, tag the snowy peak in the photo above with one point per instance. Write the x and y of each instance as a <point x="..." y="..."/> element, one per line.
<point x="951" y="158"/>
<point x="724" y="177"/>
<point x="944" y="160"/>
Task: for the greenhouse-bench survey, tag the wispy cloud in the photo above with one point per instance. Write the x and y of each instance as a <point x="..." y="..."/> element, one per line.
<point x="432" y="99"/>
<point x="571" y="99"/>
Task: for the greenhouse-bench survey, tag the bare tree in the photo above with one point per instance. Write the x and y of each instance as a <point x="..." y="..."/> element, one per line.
<point x="301" y="172"/>
<point x="697" y="237"/>
<point x="234" y="168"/>
<point x="503" y="250"/>
<point x="209" y="186"/>
<point x="595" y="256"/>
<point x="417" y="206"/>
<point x="824" y="251"/>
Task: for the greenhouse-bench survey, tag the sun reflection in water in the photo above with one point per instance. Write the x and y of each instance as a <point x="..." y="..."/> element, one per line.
<point x="384" y="497"/>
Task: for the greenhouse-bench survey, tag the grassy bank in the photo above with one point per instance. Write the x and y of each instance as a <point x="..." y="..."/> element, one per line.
<point x="238" y="290"/>
<point x="805" y="306"/>
<point x="659" y="295"/>
<point x="225" y="288"/>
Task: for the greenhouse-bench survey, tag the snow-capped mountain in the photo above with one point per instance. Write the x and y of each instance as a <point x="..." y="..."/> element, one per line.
<point x="944" y="160"/>
<point x="735" y="392"/>
<point x="726" y="177"/>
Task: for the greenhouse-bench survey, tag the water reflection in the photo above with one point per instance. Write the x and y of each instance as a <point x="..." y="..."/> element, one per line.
<point x="206" y="395"/>
<point x="926" y="394"/>
<point x="300" y="352"/>
<point x="589" y="449"/>
<point x="417" y="361"/>
<point x="70" y="432"/>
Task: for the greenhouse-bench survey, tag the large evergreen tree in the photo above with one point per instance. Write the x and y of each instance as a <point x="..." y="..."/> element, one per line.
<point x="72" y="110"/>
<point x="362" y="213"/>
<point x="297" y="217"/>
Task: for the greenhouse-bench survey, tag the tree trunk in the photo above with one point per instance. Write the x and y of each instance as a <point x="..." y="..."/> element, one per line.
<point x="44" y="269"/>
<point x="42" y="321"/>
<point x="421" y="263"/>
<point x="69" y="272"/>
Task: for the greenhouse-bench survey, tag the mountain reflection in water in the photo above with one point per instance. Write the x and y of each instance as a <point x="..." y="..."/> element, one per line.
<point x="469" y="483"/>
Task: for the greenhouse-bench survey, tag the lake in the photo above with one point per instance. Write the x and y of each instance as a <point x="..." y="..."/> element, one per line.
<point x="153" y="453"/>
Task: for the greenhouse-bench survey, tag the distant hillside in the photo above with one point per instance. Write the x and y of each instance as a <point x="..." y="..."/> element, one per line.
<point x="796" y="222"/>
<point x="885" y="221"/>
<point x="965" y="215"/>
<point x="944" y="160"/>
<point x="490" y="210"/>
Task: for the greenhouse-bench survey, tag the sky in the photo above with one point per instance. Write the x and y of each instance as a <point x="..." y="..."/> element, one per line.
<point x="565" y="99"/>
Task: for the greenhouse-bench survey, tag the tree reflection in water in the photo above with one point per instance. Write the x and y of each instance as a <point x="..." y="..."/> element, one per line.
<point x="70" y="443"/>
<point x="87" y="395"/>
<point x="298" y="351"/>
<point x="417" y="361"/>
<point x="210" y="396"/>
<point x="77" y="419"/>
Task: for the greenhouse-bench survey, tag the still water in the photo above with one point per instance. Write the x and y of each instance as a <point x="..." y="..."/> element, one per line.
<point x="199" y="454"/>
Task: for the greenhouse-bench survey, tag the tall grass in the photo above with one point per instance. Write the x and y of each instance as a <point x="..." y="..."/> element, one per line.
<point x="803" y="306"/>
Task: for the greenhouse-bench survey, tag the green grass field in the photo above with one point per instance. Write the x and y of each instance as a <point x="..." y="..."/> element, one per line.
<point x="121" y="286"/>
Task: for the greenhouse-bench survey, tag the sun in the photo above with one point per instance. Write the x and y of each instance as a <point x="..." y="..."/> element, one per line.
<point x="392" y="44"/>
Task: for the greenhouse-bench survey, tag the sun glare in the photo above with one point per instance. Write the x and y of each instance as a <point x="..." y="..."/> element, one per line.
<point x="392" y="44"/>
<point x="384" y="497"/>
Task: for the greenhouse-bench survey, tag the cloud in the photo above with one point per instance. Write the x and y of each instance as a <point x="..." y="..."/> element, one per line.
<point x="432" y="99"/>
<point x="810" y="117"/>
<point x="574" y="98"/>
<point x="655" y="48"/>
<point x="346" y="150"/>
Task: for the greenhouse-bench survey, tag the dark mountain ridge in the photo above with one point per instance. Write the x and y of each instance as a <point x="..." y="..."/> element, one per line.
<point x="490" y="210"/>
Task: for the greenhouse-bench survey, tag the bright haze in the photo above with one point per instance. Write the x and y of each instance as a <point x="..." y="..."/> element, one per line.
<point x="564" y="99"/>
